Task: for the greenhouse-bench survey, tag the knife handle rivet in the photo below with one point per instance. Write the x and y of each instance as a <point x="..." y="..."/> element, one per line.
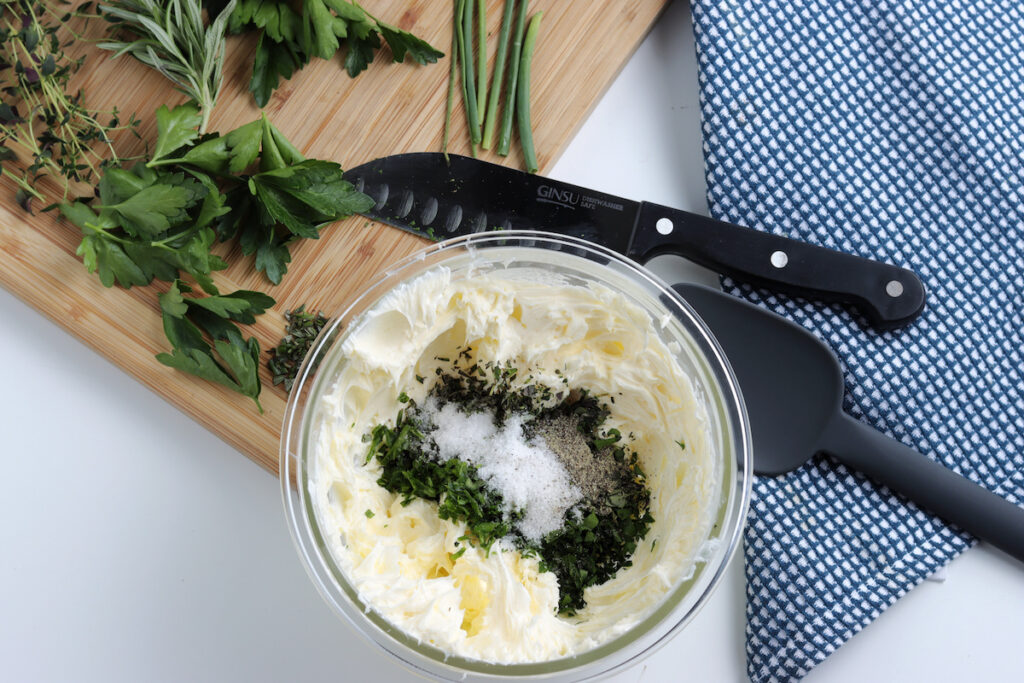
<point x="894" y="288"/>
<point x="779" y="259"/>
<point x="664" y="226"/>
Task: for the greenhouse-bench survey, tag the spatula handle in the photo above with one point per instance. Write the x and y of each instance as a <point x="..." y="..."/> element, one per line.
<point x="933" y="487"/>
<point x="889" y="296"/>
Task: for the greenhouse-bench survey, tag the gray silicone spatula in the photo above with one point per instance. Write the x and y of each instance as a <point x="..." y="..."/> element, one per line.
<point x="793" y="389"/>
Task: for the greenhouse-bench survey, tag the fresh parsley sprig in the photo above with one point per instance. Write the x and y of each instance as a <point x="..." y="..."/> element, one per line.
<point x="160" y="220"/>
<point x="290" y="37"/>
<point x="231" y="360"/>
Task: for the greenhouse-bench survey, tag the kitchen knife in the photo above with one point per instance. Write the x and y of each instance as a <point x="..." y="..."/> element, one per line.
<point x="438" y="197"/>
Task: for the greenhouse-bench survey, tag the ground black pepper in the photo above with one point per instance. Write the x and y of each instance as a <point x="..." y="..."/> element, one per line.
<point x="597" y="474"/>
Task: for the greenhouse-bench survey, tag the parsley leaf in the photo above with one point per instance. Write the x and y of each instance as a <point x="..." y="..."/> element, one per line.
<point x="175" y="128"/>
<point x="400" y="42"/>
<point x="362" y="41"/>
<point x="321" y="29"/>
<point x="160" y="220"/>
<point x="188" y="251"/>
<point x="231" y="361"/>
<point x="277" y="18"/>
<point x="228" y="154"/>
<point x="305" y="196"/>
<point x="277" y="151"/>
<point x="272" y="61"/>
<point x="290" y="37"/>
<point x="155" y="208"/>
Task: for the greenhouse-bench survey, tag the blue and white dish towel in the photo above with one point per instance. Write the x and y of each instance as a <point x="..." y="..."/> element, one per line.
<point x="893" y="130"/>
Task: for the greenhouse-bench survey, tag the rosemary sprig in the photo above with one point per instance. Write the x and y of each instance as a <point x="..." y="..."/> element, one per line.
<point x="46" y="130"/>
<point x="170" y="36"/>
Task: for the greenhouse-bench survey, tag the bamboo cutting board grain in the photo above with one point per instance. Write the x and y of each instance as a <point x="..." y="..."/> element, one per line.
<point x="389" y="109"/>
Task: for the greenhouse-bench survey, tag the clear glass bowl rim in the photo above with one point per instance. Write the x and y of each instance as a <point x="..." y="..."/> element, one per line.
<point x="638" y="647"/>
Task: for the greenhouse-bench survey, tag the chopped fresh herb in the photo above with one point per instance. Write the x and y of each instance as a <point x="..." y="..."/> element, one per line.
<point x="403" y="397"/>
<point x="457" y="554"/>
<point x="682" y="444"/>
<point x="598" y="536"/>
<point x="369" y="513"/>
<point x="407" y="471"/>
<point x="613" y="437"/>
<point x="301" y="328"/>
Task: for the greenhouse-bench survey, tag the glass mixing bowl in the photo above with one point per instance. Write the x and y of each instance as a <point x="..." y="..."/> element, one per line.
<point x="572" y="261"/>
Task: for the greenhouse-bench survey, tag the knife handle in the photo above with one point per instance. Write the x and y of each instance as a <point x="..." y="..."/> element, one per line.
<point x="889" y="296"/>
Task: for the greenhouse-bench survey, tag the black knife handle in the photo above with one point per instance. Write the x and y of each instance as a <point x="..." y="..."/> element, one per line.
<point x="889" y="296"/>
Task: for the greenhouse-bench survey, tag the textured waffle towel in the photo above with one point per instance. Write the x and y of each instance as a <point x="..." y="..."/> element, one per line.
<point x="893" y="130"/>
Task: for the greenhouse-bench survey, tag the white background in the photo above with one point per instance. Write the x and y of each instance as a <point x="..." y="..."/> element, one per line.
<point x="138" y="546"/>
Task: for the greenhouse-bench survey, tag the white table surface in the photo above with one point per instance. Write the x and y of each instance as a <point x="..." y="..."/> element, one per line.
<point x="138" y="546"/>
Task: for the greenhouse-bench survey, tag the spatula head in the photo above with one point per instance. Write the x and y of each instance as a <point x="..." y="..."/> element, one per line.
<point x="791" y="381"/>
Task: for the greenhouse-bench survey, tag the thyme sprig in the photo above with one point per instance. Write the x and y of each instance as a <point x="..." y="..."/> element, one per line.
<point x="171" y="37"/>
<point x="45" y="128"/>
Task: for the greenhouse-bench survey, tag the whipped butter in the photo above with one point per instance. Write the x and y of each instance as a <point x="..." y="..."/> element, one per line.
<point x="499" y="607"/>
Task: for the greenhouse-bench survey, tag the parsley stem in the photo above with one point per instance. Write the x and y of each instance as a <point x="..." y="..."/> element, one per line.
<point x="523" y="94"/>
<point x="491" y="116"/>
<point x="505" y="137"/>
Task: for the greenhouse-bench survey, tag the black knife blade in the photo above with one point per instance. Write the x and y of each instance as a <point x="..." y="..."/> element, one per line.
<point x="438" y="197"/>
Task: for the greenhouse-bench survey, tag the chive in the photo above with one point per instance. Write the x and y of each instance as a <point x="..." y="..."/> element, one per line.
<point x="491" y="117"/>
<point x="523" y="94"/>
<point x="481" y="59"/>
<point x="505" y="137"/>
<point x="452" y="75"/>
<point x="468" y="82"/>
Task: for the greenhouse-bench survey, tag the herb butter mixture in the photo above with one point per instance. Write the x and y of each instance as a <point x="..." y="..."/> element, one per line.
<point x="510" y="468"/>
<point x="526" y="464"/>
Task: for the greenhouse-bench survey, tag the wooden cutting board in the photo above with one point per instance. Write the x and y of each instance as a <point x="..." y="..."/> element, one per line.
<point x="389" y="109"/>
